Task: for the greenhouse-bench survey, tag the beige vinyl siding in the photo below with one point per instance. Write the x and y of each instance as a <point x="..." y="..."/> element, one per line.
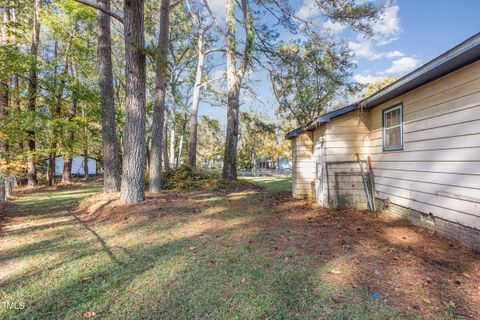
<point x="340" y="140"/>
<point x="347" y="135"/>
<point x="303" y="170"/>
<point x="438" y="171"/>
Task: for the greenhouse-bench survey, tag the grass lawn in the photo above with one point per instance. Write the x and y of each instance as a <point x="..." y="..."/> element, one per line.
<point x="237" y="254"/>
<point x="274" y="184"/>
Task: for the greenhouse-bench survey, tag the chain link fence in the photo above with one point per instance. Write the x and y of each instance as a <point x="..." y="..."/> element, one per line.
<point x="346" y="187"/>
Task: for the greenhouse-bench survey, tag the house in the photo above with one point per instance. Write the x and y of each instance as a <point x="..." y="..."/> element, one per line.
<point x="414" y="146"/>
<point x="268" y="163"/>
<point x="77" y="166"/>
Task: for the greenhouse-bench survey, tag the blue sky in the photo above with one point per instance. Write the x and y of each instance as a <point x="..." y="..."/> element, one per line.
<point x="408" y="34"/>
<point x="426" y="29"/>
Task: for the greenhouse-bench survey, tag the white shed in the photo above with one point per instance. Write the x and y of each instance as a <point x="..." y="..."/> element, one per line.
<point x="77" y="166"/>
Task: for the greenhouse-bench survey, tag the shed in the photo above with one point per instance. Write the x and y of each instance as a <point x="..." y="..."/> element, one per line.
<point x="77" y="166"/>
<point x="421" y="135"/>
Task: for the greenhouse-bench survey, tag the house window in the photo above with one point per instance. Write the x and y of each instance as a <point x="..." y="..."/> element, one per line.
<point x="393" y="128"/>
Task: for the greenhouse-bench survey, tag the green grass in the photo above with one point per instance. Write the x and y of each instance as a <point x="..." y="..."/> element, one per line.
<point x="274" y="184"/>
<point x="216" y="262"/>
<point x="47" y="200"/>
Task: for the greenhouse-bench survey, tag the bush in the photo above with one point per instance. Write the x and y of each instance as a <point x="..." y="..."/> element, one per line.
<point x="186" y="178"/>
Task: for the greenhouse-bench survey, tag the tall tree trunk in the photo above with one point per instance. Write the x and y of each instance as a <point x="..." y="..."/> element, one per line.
<point x="55" y="99"/>
<point x="3" y="195"/>
<point x="9" y="183"/>
<point x="133" y="175"/>
<point x="70" y="136"/>
<point x="4" y="83"/>
<point x="148" y="148"/>
<point x="172" y="146"/>
<point x="180" y="147"/>
<point x="277" y="167"/>
<point x="254" y="162"/>
<point x="17" y="104"/>
<point x="56" y="113"/>
<point x="16" y="88"/>
<point x="16" y="78"/>
<point x="67" y="157"/>
<point x="155" y="169"/>
<point x="85" y="145"/>
<point x="166" y="160"/>
<point x="111" y="169"/>
<point x="231" y="141"/>
<point x="86" y="172"/>
<point x="51" y="165"/>
<point x="197" y="90"/>
<point x="67" y="168"/>
<point x="32" y="95"/>
<point x="234" y="81"/>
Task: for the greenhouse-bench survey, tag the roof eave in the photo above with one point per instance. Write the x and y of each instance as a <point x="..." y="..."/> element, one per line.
<point x="463" y="54"/>
<point x="321" y="120"/>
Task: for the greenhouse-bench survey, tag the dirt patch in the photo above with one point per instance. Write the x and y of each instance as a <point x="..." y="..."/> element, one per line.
<point x="107" y="207"/>
<point x="408" y="266"/>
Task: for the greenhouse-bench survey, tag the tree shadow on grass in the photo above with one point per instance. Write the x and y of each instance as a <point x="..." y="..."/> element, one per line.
<point x="38" y="228"/>
<point x="172" y="281"/>
<point x="276" y="264"/>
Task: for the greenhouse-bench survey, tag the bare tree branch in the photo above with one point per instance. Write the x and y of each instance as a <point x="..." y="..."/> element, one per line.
<point x="219" y="29"/>
<point x="215" y="50"/>
<point x="206" y="83"/>
<point x="101" y="8"/>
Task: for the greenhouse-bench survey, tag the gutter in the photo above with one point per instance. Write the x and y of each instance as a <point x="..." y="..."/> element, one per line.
<point x="327" y="117"/>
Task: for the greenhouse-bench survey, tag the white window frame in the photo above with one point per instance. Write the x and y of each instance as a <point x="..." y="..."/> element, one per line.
<point x="384" y="122"/>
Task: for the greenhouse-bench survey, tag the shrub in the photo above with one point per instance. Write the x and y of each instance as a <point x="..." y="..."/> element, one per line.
<point x="186" y="178"/>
